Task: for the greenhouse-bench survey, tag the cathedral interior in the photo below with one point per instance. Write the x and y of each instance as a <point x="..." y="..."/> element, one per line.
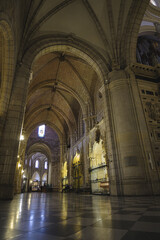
<point x="80" y="119"/>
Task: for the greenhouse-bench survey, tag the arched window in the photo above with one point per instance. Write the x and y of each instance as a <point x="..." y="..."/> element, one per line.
<point x="45" y="165"/>
<point x="30" y="162"/>
<point x="37" y="164"/>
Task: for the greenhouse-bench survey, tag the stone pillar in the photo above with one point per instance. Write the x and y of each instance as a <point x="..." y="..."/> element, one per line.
<point x="70" y="179"/>
<point x="85" y="143"/>
<point x="49" y="173"/>
<point x="11" y="132"/>
<point x="21" y="160"/>
<point x="113" y="167"/>
<point x="128" y="147"/>
<point x="86" y="161"/>
<point x="62" y="147"/>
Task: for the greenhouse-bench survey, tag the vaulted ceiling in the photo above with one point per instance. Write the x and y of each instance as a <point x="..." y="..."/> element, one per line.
<point x="105" y="25"/>
<point x="63" y="84"/>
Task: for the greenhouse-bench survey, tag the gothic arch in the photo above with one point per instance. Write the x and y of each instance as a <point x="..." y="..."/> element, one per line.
<point x="39" y="147"/>
<point x="36" y="176"/>
<point x="42" y="46"/>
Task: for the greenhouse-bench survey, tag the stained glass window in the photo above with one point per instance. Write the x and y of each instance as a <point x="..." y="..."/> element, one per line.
<point x="41" y="131"/>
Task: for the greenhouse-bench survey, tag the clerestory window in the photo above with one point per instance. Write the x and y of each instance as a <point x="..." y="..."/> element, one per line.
<point x="37" y="164"/>
<point x="41" y="131"/>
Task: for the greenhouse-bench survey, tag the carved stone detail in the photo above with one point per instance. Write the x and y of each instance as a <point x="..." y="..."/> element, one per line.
<point x="153" y="110"/>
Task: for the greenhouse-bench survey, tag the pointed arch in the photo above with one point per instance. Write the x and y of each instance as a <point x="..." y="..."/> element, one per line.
<point x="36" y="176"/>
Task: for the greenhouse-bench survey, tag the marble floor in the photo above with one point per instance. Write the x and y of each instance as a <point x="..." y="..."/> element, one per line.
<point x="68" y="216"/>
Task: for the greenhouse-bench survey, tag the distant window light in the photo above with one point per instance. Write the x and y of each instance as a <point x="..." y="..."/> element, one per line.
<point x="26" y="162"/>
<point x="45" y="165"/>
<point x="41" y="131"/>
<point x="153" y="2"/>
<point x="37" y="164"/>
<point x="30" y="162"/>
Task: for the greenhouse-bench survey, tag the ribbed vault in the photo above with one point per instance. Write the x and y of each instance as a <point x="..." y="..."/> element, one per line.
<point x="62" y="86"/>
<point x="108" y="26"/>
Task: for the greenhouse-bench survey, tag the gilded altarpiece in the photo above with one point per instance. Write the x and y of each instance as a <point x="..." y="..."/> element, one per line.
<point x="77" y="172"/>
<point x="99" y="169"/>
<point x="64" y="176"/>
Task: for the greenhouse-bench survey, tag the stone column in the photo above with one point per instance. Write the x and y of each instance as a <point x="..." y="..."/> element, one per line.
<point x="86" y="162"/>
<point x="128" y="147"/>
<point x="49" y="172"/>
<point x="11" y="132"/>
<point x="113" y="166"/>
<point x="62" y="147"/>
<point x="21" y="158"/>
<point x="70" y="168"/>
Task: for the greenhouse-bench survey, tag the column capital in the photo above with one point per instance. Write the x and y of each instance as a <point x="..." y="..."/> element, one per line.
<point x="117" y="75"/>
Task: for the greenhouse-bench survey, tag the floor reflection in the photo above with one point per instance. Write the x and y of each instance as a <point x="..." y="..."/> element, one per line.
<point x="74" y="216"/>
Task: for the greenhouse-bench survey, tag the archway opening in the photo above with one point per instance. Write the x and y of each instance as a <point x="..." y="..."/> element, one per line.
<point x="66" y="92"/>
<point x="42" y="152"/>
